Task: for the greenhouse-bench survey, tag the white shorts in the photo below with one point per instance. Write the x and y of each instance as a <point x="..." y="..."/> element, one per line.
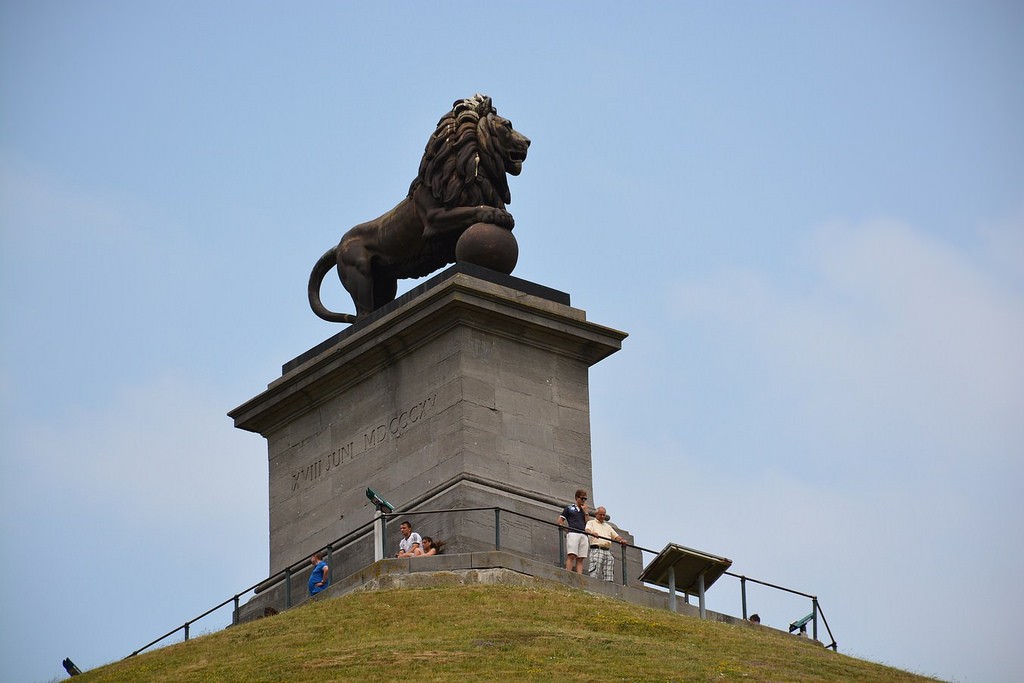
<point x="577" y="544"/>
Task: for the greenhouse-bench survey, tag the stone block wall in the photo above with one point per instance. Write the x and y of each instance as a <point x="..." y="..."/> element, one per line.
<point x="470" y="391"/>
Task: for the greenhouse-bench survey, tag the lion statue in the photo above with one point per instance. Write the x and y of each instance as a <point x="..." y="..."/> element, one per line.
<point x="461" y="181"/>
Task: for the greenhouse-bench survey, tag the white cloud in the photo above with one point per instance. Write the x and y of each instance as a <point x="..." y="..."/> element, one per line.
<point x="894" y="338"/>
<point x="1003" y="245"/>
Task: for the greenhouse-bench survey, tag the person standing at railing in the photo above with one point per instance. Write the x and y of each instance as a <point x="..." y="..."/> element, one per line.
<point x="602" y="562"/>
<point x="574" y="517"/>
<point x="318" y="580"/>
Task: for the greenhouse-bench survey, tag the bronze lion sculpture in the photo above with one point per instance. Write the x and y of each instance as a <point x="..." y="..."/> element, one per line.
<point x="461" y="181"/>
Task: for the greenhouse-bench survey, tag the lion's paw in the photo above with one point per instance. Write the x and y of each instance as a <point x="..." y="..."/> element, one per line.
<point x="498" y="217"/>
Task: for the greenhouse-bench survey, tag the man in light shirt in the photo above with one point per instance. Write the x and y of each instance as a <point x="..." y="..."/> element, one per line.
<point x="601" y="533"/>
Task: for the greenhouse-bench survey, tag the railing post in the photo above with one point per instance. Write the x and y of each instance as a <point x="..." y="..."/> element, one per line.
<point x="623" y="564"/>
<point x="672" y="588"/>
<point x="186" y="630"/>
<point x="814" y="619"/>
<point x="378" y="536"/>
<point x="330" y="564"/>
<point x="234" y="615"/>
<point x="700" y="592"/>
<point x="561" y="546"/>
<point x="288" y="587"/>
<point x="743" y="595"/>
<point x="497" y="528"/>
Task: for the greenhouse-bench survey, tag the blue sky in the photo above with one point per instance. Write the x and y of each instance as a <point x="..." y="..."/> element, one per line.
<point x="808" y="216"/>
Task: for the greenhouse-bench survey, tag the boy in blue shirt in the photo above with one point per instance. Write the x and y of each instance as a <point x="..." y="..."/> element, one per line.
<point x="318" y="579"/>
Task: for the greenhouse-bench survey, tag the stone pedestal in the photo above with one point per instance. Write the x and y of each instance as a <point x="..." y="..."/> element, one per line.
<point x="469" y="391"/>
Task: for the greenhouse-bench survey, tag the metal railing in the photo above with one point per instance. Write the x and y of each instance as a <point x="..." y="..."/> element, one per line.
<point x="812" y="617"/>
<point x="362" y="532"/>
<point x="284" y="575"/>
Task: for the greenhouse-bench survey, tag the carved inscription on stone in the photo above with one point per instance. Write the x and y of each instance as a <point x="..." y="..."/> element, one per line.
<point x="398" y="424"/>
<point x="322" y="466"/>
<point x="391" y="428"/>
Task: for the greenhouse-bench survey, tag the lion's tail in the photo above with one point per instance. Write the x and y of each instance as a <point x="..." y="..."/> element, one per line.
<point x="316" y="278"/>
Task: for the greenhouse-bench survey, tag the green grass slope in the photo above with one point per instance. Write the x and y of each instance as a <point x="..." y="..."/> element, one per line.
<point x="479" y="633"/>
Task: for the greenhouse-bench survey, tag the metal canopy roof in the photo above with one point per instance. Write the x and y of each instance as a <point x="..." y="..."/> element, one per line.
<point x="688" y="565"/>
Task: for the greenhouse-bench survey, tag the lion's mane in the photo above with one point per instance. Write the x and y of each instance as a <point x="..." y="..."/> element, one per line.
<point x="459" y="165"/>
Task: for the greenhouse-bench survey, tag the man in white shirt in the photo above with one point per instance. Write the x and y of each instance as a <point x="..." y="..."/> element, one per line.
<point x="410" y="541"/>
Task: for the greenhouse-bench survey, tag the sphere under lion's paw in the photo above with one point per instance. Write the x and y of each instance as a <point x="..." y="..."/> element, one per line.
<point x="488" y="245"/>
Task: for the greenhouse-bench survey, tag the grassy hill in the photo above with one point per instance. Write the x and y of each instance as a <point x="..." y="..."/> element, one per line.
<point x="460" y="633"/>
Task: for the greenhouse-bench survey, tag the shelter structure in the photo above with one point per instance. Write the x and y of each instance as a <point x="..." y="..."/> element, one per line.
<point x="679" y="568"/>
